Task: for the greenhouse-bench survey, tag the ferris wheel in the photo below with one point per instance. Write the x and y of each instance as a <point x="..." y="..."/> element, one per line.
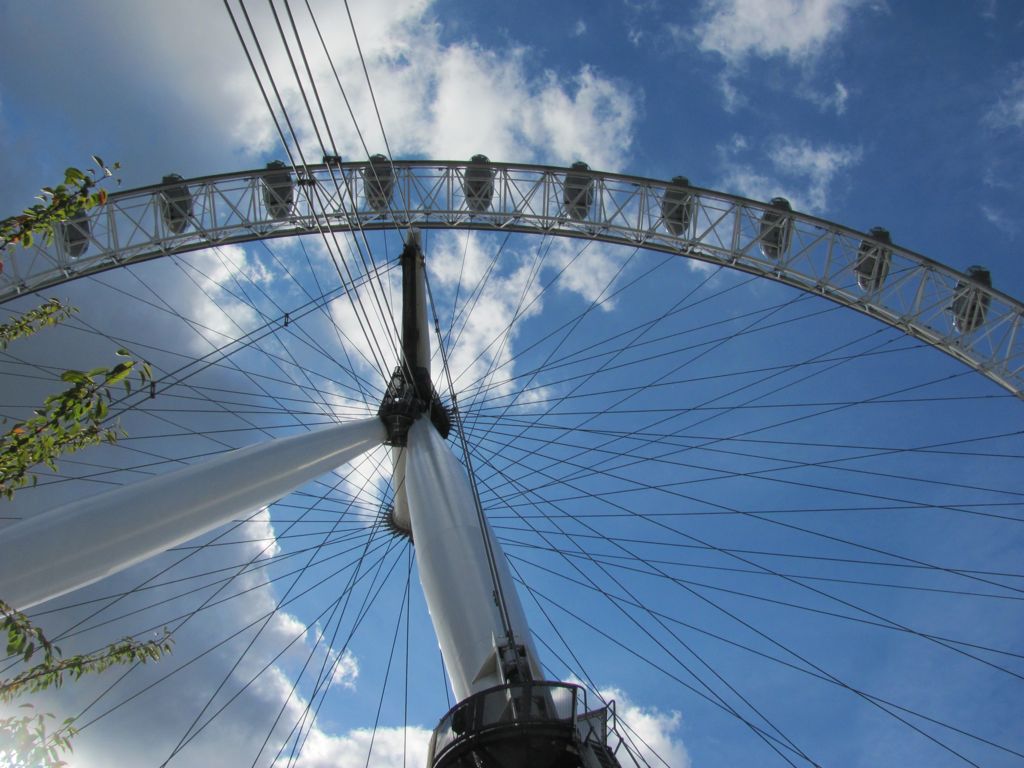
<point x="699" y="444"/>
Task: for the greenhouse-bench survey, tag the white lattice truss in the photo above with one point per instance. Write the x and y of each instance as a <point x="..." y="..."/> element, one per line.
<point x="917" y="295"/>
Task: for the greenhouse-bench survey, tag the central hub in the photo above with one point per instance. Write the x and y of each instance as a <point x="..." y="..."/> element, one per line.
<point x="404" y="402"/>
<point x="410" y="393"/>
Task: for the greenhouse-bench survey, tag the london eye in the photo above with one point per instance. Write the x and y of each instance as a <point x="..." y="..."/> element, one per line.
<point x="753" y="462"/>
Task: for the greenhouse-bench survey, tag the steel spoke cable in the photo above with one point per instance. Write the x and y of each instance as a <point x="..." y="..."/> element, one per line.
<point x="680" y="306"/>
<point x="616" y="404"/>
<point x="325" y="677"/>
<point x="873" y="564"/>
<point x="387" y="670"/>
<point x="579" y="671"/>
<point x="269" y="580"/>
<point x="616" y="473"/>
<point x="734" y="555"/>
<point x="269" y="664"/>
<point x="184" y="620"/>
<point x="746" y="624"/>
<point x="657" y="572"/>
<point x="611" y="560"/>
<point x="782" y="647"/>
<point x="788" y="744"/>
<point x="782" y="662"/>
<point x="385" y="311"/>
<point x="212" y="648"/>
<point x="331" y="611"/>
<point x="356" y="302"/>
<point x="482" y="409"/>
<point x="802" y="443"/>
<point x="288" y="590"/>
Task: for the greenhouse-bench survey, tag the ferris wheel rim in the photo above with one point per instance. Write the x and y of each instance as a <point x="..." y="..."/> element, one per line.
<point x="914" y="293"/>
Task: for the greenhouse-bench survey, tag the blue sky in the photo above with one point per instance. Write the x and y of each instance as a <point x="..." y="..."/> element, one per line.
<point x="896" y="572"/>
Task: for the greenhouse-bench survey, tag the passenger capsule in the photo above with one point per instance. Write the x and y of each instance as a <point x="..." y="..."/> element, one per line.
<point x="578" y="194"/>
<point x="74" y="234"/>
<point x="278" y="189"/>
<point x="378" y="182"/>
<point x="970" y="303"/>
<point x="872" y="265"/>
<point x="176" y="203"/>
<point x="776" y="228"/>
<point x="478" y="185"/>
<point x="677" y="206"/>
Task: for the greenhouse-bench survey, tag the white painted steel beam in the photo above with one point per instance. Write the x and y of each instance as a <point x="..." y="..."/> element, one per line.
<point x="79" y="543"/>
<point x="453" y="567"/>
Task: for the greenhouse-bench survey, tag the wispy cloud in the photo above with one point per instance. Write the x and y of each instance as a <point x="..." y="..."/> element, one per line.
<point x="1008" y="111"/>
<point x="794" y="32"/>
<point x="1000" y="219"/>
<point x="802" y="172"/>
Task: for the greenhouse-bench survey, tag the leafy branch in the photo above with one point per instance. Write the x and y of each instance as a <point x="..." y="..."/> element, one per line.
<point x="50" y="313"/>
<point x="24" y="639"/>
<point x="67" y="422"/>
<point x="25" y="739"/>
<point x="80" y="191"/>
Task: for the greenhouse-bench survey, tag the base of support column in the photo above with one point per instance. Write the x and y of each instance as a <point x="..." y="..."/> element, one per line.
<point x="529" y="725"/>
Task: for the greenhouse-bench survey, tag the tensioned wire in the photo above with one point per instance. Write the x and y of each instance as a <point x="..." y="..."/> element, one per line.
<point x="618" y="545"/>
<point x="888" y="622"/>
<point x="288" y="590"/>
<point x="244" y="568"/>
<point x="363" y="317"/>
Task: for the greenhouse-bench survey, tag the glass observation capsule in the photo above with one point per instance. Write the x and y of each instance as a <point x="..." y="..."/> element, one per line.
<point x="677" y="206"/>
<point x="478" y="184"/>
<point x="873" y="259"/>
<point x="74" y="234"/>
<point x="378" y="182"/>
<point x="175" y="203"/>
<point x="970" y="303"/>
<point x="776" y="228"/>
<point x="278" y="189"/>
<point x="578" y="193"/>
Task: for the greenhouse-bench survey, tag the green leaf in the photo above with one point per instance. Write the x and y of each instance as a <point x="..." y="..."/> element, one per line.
<point x="120" y="372"/>
<point x="73" y="376"/>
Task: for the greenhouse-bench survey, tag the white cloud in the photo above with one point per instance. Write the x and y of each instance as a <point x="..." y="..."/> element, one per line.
<point x="450" y="101"/>
<point x="803" y="172"/>
<point x="588" y="269"/>
<point x="819" y="165"/>
<point x="835" y="100"/>
<point x="797" y="30"/>
<point x="1008" y="111"/>
<point x="649" y="735"/>
<point x="999" y="219"/>
<point x="579" y="28"/>
<point x="392" y="748"/>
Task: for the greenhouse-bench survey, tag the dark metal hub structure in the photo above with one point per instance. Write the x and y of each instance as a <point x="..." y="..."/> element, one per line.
<point x="410" y="392"/>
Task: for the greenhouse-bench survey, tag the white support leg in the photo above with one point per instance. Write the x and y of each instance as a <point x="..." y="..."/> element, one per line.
<point x="453" y="567"/>
<point x="81" y="542"/>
